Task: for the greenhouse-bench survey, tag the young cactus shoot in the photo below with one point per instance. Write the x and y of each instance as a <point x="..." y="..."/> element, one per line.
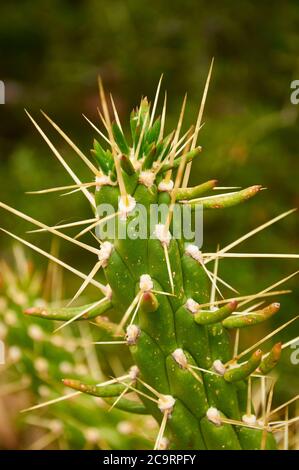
<point x="162" y="291"/>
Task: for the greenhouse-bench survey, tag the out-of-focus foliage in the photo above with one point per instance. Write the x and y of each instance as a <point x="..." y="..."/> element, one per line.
<point x="51" y="53"/>
<point x="37" y="358"/>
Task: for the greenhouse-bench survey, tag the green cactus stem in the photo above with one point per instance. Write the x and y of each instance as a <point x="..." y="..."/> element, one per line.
<point x="159" y="285"/>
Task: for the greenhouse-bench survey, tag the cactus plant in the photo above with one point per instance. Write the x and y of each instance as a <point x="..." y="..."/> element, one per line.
<point x="160" y="292"/>
<point x="35" y="362"/>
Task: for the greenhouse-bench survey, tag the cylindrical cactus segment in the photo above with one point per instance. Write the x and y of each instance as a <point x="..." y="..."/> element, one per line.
<point x="158" y="282"/>
<point x="163" y="293"/>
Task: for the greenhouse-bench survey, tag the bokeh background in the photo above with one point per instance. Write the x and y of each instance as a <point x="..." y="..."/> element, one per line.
<point x="51" y="53"/>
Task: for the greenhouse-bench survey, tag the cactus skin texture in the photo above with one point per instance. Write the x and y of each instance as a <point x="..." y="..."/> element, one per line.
<point x="34" y="356"/>
<point x="160" y="293"/>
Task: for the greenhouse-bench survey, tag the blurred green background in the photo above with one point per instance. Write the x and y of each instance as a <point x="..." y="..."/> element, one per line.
<point x="51" y="54"/>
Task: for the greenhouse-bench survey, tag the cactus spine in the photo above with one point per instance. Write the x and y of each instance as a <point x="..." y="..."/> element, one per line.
<point x="160" y="291"/>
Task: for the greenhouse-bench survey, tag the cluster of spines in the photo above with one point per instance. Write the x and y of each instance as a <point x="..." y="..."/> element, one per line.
<point x="130" y="174"/>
